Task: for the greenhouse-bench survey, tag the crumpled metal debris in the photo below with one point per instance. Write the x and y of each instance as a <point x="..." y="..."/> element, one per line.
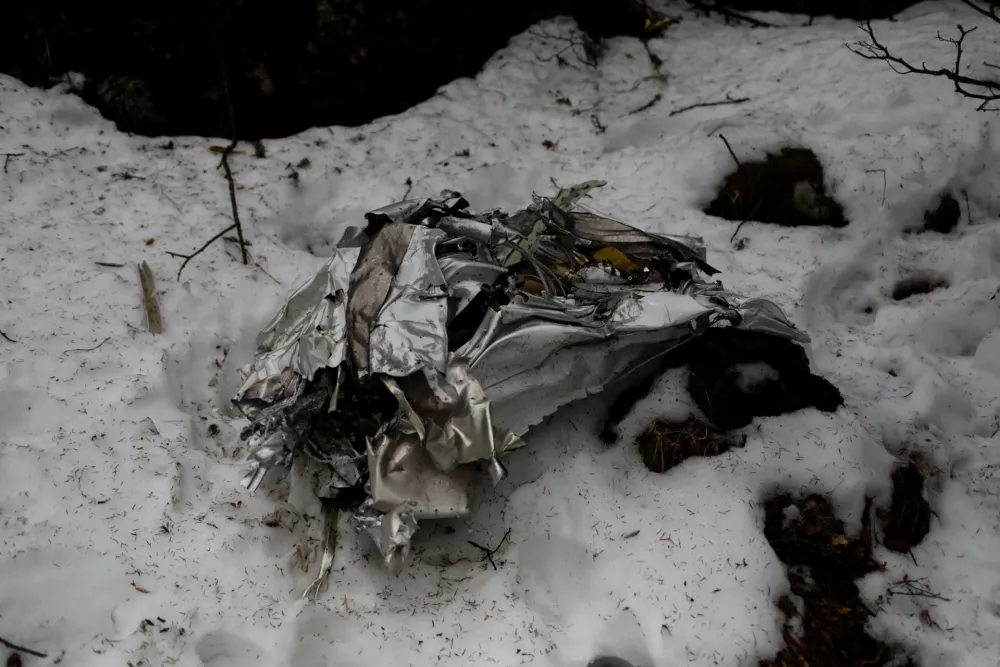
<point x="434" y="338"/>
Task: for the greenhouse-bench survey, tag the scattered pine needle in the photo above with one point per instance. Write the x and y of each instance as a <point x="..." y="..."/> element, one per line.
<point x="264" y="271"/>
<point x="88" y="349"/>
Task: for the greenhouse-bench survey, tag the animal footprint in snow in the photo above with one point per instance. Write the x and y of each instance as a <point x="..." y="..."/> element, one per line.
<point x="221" y="649"/>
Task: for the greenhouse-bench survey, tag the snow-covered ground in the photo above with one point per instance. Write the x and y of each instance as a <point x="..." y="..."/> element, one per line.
<point x="128" y="540"/>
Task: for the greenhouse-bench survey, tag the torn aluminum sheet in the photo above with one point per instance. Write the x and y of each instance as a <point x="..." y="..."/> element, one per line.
<point x="308" y="333"/>
<point x="435" y="338"/>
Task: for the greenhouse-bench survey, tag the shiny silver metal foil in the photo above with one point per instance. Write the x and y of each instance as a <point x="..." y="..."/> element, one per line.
<point x="435" y="338"/>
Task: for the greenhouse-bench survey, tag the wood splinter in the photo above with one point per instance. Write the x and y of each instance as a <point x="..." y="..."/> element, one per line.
<point x="153" y="321"/>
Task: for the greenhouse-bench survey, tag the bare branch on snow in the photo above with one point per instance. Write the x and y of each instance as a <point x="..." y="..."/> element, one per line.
<point x="977" y="88"/>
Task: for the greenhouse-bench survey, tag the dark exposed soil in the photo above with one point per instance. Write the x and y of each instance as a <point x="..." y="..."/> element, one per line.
<point x="636" y="387"/>
<point x="923" y="283"/>
<point x="807" y="533"/>
<point x="908" y="520"/>
<point x="664" y="444"/>
<point x="715" y="384"/>
<point x="848" y="9"/>
<point x="826" y="618"/>
<point x="164" y="68"/>
<point x="944" y="217"/>
<point x="785" y="189"/>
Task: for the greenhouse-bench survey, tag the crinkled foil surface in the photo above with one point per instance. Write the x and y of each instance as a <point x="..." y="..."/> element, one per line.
<point x="435" y="337"/>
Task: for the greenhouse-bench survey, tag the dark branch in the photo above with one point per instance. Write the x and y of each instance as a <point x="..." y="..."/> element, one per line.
<point x="728" y="100"/>
<point x="88" y="349"/>
<point x="648" y="105"/>
<point x="188" y="258"/>
<point x="224" y="164"/>
<point x="874" y="50"/>
<point x="232" y="200"/>
<point x="991" y="12"/>
<point x="7" y="157"/>
<point x="489" y="553"/>
<point x="225" y="158"/>
<point x="590" y="49"/>
<point x="735" y="159"/>
<point x="745" y="221"/>
<point x="7" y="338"/>
<point x="14" y="647"/>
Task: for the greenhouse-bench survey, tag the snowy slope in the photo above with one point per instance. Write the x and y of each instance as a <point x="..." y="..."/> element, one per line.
<point x="126" y="538"/>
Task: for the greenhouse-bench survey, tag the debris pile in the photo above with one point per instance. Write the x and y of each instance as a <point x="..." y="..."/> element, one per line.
<point x="825" y="616"/>
<point x="435" y="337"/>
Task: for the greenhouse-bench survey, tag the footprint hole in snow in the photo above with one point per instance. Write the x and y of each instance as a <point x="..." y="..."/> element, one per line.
<point x="922" y="282"/>
<point x="786" y="188"/>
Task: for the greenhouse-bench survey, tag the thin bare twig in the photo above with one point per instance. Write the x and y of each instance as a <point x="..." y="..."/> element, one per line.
<point x="489" y="553"/>
<point x="745" y="220"/>
<point x="7" y="157"/>
<point x="915" y="588"/>
<point x="167" y="197"/>
<point x="226" y="153"/>
<point x="224" y="164"/>
<point x="188" y="258"/>
<point x="728" y="100"/>
<point x="88" y="349"/>
<point x="991" y="13"/>
<point x="232" y="199"/>
<point x="648" y="105"/>
<point x="582" y="41"/>
<point x="14" y="647"/>
<point x="968" y="209"/>
<point x="989" y="89"/>
<point x="265" y="272"/>
<point x="735" y="159"/>
<point x="7" y="338"/>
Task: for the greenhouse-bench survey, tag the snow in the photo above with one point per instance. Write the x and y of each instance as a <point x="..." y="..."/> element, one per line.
<point x="119" y="471"/>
